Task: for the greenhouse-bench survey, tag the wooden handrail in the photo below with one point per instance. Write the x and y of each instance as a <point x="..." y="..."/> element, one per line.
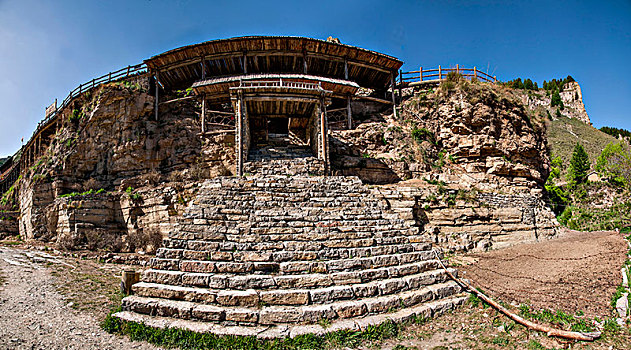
<point x="437" y="74"/>
<point x="76" y="92"/>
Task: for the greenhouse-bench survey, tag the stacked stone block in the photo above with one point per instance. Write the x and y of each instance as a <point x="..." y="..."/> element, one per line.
<point x="274" y="256"/>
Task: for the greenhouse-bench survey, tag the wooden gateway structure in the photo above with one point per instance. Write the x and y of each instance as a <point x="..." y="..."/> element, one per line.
<point x="264" y="87"/>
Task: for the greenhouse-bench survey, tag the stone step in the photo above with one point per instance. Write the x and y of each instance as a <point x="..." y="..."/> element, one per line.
<point x="240" y="235"/>
<point x="425" y="310"/>
<point x="303" y="281"/>
<point x="296" y="236"/>
<point x="256" y="260"/>
<point x="245" y="307"/>
<point x="274" y="251"/>
<point x="416" y="244"/>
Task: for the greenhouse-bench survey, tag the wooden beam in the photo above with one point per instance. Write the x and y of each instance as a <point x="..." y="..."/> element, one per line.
<point x="177" y="99"/>
<point x="374" y="99"/>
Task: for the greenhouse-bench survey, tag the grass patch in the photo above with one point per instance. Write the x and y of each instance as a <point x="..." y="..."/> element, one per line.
<point x="183" y="339"/>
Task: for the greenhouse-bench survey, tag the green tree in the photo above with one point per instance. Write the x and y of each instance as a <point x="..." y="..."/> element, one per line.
<point x="558" y="197"/>
<point x="579" y="165"/>
<point x="555" y="100"/>
<point x="614" y="163"/>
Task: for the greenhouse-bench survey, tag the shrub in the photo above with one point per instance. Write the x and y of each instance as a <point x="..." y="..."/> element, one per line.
<point x="422" y="134"/>
<point x="75" y="116"/>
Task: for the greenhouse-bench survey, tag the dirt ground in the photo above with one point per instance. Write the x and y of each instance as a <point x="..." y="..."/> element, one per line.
<point x="577" y="272"/>
<point x="35" y="315"/>
<point x="48" y="302"/>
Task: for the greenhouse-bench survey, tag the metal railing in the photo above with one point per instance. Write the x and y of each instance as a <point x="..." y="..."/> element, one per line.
<point x="438" y="74"/>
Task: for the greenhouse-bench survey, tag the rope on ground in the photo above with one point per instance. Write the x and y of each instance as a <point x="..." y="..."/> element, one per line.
<point x="531" y="325"/>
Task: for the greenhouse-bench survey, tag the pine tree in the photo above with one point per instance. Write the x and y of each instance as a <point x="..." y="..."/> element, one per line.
<point x="579" y="165"/>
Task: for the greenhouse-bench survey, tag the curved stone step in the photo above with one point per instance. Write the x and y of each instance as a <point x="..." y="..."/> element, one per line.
<point x="277" y="251"/>
<point x="253" y="310"/>
<point x="425" y="310"/>
<point x="261" y="281"/>
<point x="312" y="289"/>
<point x="289" y="267"/>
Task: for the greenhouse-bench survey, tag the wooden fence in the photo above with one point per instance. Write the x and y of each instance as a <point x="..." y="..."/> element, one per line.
<point x="85" y="87"/>
<point x="51" y="114"/>
<point x="436" y="75"/>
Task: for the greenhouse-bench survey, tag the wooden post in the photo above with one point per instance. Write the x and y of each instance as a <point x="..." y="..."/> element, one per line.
<point x="245" y="63"/>
<point x="203" y="67"/>
<point x="304" y="61"/>
<point x="475" y="72"/>
<point x="129" y="278"/>
<point x="80" y="88"/>
<point x="239" y="133"/>
<point x="394" y="100"/>
<point x="495" y="79"/>
<point x="203" y="114"/>
<point x="157" y="95"/>
<point x="128" y="67"/>
<point x="440" y="73"/>
<point x="457" y="68"/>
<point x="421" y="72"/>
<point x="400" y="84"/>
<point x="109" y="77"/>
<point x="349" y="115"/>
<point x="324" y="134"/>
<point x="345" y="69"/>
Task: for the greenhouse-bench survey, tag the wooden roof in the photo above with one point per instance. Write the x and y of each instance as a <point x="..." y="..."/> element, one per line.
<point x="179" y="68"/>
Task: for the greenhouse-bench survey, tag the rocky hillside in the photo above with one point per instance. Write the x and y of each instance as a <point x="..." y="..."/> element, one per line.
<point x="468" y="159"/>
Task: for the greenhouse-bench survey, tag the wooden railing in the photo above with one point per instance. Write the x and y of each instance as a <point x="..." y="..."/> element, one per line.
<point x="281" y="83"/>
<point x="435" y="75"/>
<point x="85" y="87"/>
<point x="51" y="115"/>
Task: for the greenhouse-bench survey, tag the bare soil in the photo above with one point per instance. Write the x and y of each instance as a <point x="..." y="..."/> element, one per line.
<point x="34" y="314"/>
<point x="577" y="272"/>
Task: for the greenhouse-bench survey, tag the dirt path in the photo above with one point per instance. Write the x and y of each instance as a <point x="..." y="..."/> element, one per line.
<point x="577" y="272"/>
<point x="34" y="315"/>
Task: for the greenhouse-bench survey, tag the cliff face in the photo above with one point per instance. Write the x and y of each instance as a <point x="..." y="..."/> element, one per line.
<point x="114" y="143"/>
<point x="572" y="97"/>
<point x="475" y="160"/>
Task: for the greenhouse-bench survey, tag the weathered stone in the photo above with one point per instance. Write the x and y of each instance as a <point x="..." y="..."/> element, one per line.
<point x="285" y="297"/>
<point x="238" y="298"/>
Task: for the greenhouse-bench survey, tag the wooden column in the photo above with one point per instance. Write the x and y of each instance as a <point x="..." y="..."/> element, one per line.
<point x="203" y="114"/>
<point x="324" y="135"/>
<point x="394" y="100"/>
<point x="345" y="68"/>
<point x="400" y="84"/>
<point x="440" y="73"/>
<point x="304" y="61"/>
<point x="349" y="112"/>
<point x="157" y="94"/>
<point x="421" y="73"/>
<point x="203" y="67"/>
<point x="245" y="63"/>
<point x="475" y="72"/>
<point x="458" y="68"/>
<point x="239" y="134"/>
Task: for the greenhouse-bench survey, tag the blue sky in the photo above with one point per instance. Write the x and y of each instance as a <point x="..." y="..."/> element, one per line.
<point x="48" y="47"/>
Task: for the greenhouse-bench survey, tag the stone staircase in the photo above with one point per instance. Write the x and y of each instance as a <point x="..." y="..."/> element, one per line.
<point x="275" y="256"/>
<point x="290" y="160"/>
